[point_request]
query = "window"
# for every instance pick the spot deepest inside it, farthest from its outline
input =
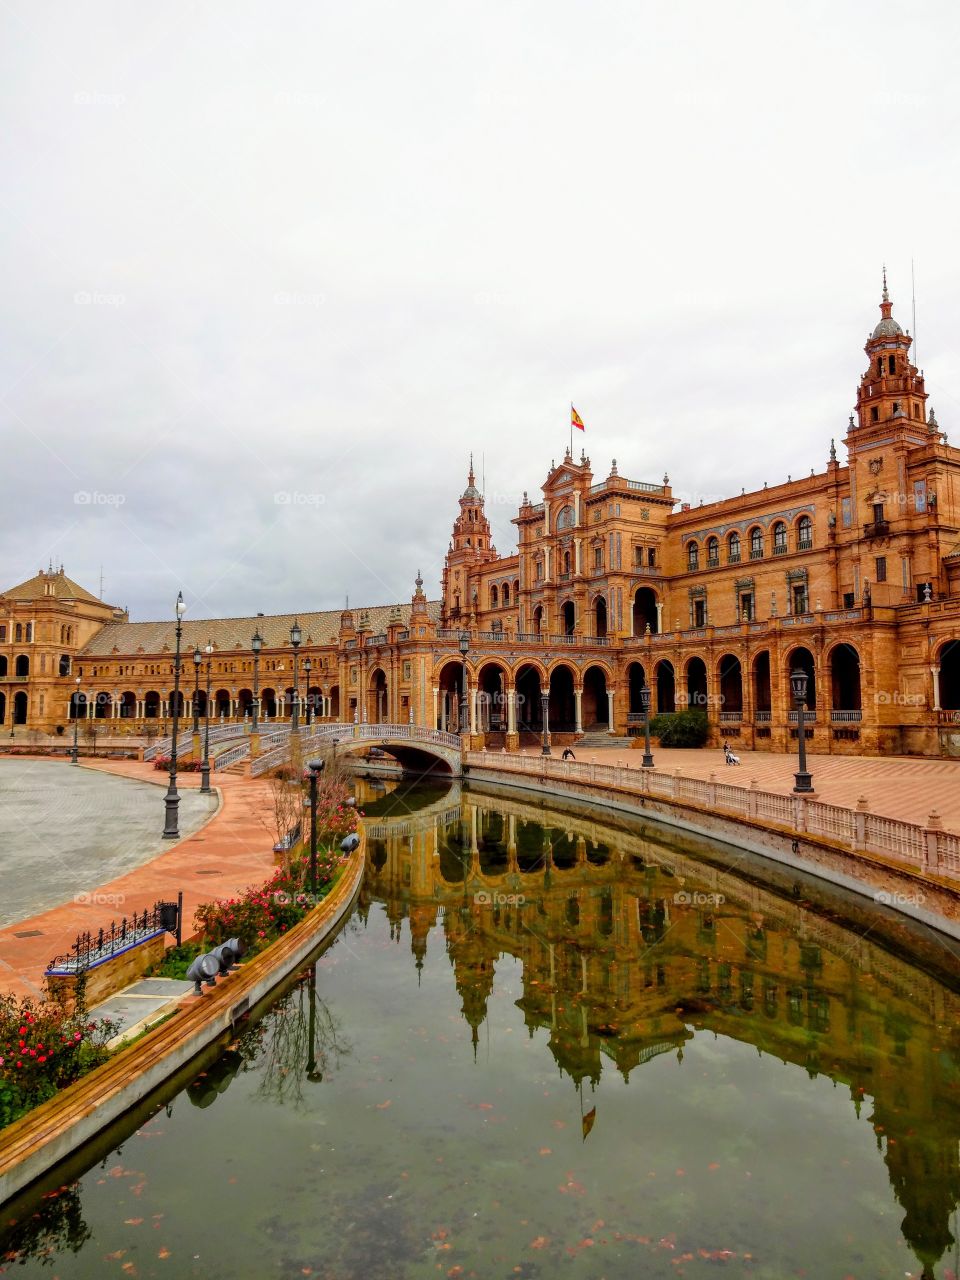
(891, 365)
(848, 600)
(746, 606)
(756, 544)
(779, 538)
(800, 597)
(505, 594)
(874, 414)
(693, 556)
(878, 513)
(3, 634)
(920, 494)
(846, 515)
(880, 564)
(19, 632)
(565, 518)
(713, 552)
(804, 533)
(494, 598)
(700, 613)
(598, 557)
(733, 548)
(539, 571)
(651, 557)
(880, 366)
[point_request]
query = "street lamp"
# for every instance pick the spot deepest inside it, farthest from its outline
(76, 721)
(545, 717)
(171, 830)
(647, 762)
(307, 665)
(256, 644)
(295, 636)
(464, 650)
(196, 689)
(316, 767)
(798, 683)
(205, 763)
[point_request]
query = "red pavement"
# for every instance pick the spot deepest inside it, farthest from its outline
(236, 844)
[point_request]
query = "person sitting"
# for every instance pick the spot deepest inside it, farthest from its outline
(729, 756)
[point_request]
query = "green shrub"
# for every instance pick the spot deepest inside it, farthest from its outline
(689, 728)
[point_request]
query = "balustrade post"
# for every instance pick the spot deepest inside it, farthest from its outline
(932, 833)
(752, 798)
(860, 823)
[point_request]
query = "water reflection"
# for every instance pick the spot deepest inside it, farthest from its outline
(629, 948)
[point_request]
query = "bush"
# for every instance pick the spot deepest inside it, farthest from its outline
(183, 766)
(689, 728)
(43, 1049)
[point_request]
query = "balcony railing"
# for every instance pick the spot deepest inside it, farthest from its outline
(531, 637)
(734, 557)
(780, 549)
(730, 717)
(876, 529)
(804, 544)
(762, 717)
(756, 553)
(566, 639)
(846, 717)
(713, 562)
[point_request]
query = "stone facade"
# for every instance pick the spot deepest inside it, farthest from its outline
(851, 573)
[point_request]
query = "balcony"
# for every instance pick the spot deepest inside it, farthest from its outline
(780, 549)
(805, 544)
(846, 717)
(713, 562)
(762, 717)
(877, 529)
(734, 557)
(756, 553)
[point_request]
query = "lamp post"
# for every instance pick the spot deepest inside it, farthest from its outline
(316, 767)
(295, 636)
(803, 783)
(196, 689)
(545, 718)
(171, 830)
(647, 762)
(307, 666)
(256, 644)
(464, 713)
(205, 763)
(76, 722)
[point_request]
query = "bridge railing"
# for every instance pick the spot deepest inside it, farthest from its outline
(162, 745)
(279, 751)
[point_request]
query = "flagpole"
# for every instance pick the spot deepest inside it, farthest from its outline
(571, 430)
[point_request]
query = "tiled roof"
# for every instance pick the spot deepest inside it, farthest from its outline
(227, 634)
(35, 588)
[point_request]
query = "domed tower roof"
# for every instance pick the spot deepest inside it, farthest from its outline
(471, 493)
(887, 327)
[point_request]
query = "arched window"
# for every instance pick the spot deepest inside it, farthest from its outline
(733, 548)
(29, 632)
(565, 518)
(693, 556)
(22, 665)
(18, 633)
(804, 533)
(713, 552)
(779, 538)
(756, 543)
(494, 598)
(505, 594)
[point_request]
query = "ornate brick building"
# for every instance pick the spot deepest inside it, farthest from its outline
(852, 573)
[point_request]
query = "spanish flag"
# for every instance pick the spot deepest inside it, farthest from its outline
(576, 420)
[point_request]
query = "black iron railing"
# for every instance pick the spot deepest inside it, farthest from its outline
(92, 949)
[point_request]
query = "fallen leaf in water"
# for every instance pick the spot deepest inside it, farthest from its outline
(539, 1243)
(163, 1252)
(382, 1106)
(545, 1151)
(115, 1257)
(132, 1222)
(129, 1268)
(713, 1166)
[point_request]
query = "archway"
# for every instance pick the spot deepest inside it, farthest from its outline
(803, 659)
(600, 616)
(845, 678)
(529, 714)
(596, 708)
(128, 705)
(450, 685)
(20, 708)
(568, 617)
(268, 703)
(21, 666)
(78, 706)
(335, 701)
(491, 698)
(761, 684)
(151, 705)
(221, 704)
(636, 679)
(3, 708)
(378, 704)
(102, 706)
(949, 677)
(563, 712)
(645, 611)
(175, 699)
(245, 702)
(666, 687)
(538, 620)
(731, 684)
(697, 684)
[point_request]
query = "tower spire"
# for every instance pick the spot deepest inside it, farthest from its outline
(886, 296)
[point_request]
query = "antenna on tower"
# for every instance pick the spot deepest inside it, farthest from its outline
(101, 582)
(483, 474)
(913, 292)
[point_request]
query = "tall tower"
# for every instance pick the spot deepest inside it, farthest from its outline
(470, 546)
(891, 393)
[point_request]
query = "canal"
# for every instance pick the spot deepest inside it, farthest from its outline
(550, 1043)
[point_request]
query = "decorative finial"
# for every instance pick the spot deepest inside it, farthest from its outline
(666, 479)
(471, 467)
(932, 421)
(886, 296)
(613, 467)
(419, 580)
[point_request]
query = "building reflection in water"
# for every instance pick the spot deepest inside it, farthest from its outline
(629, 946)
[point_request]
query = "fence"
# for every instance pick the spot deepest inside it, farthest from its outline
(92, 949)
(927, 849)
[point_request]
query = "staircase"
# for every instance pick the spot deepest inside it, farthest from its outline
(594, 738)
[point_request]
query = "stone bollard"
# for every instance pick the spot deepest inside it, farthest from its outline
(931, 859)
(860, 823)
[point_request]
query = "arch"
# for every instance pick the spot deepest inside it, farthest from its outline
(516, 590)
(151, 705)
(335, 701)
(636, 679)
(804, 533)
(245, 702)
(450, 686)
(3, 707)
(314, 702)
(734, 551)
(268, 703)
(494, 598)
(779, 538)
(845, 684)
(78, 706)
(528, 685)
(756, 543)
(693, 554)
(644, 611)
(538, 620)
(666, 682)
(730, 675)
(21, 665)
(505, 595)
(492, 680)
(568, 617)
(563, 715)
(378, 697)
(761, 683)
(63, 666)
(175, 699)
(596, 707)
(713, 551)
(221, 704)
(697, 684)
(803, 658)
(948, 660)
(3, 664)
(20, 708)
(565, 517)
(600, 616)
(102, 706)
(128, 705)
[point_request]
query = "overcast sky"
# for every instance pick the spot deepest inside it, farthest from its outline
(318, 252)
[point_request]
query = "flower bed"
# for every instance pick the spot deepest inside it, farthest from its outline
(183, 766)
(43, 1049)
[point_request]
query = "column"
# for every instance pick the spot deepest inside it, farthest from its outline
(660, 617)
(511, 711)
(578, 561)
(546, 564)
(578, 709)
(546, 517)
(610, 728)
(473, 710)
(935, 673)
(436, 708)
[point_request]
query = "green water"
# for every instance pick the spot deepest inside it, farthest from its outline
(666, 1060)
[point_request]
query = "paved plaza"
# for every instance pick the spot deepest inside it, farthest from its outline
(66, 831)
